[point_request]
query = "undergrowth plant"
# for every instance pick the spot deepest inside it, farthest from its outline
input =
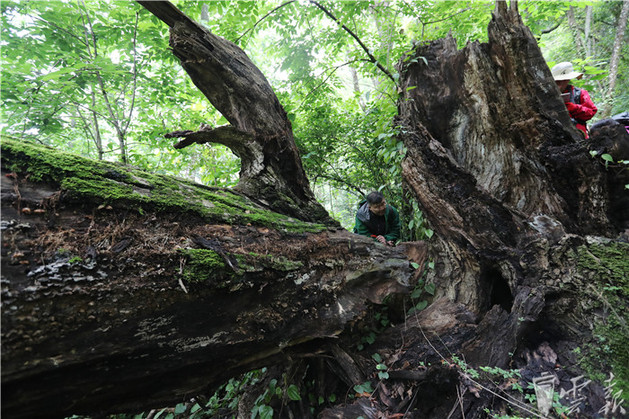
(421, 291)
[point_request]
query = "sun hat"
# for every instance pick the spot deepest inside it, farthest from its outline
(564, 71)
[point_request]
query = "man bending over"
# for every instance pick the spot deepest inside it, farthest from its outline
(375, 218)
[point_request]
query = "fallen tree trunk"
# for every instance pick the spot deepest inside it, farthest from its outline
(124, 290)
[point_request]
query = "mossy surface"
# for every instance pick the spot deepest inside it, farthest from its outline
(203, 265)
(207, 266)
(608, 266)
(100, 182)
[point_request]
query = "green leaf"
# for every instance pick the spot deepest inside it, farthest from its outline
(293, 392)
(421, 305)
(415, 265)
(57, 74)
(376, 357)
(266, 412)
(364, 387)
(180, 408)
(417, 292)
(430, 289)
(607, 157)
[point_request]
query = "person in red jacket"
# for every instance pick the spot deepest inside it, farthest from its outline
(578, 101)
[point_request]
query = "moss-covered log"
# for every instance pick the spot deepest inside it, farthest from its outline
(124, 290)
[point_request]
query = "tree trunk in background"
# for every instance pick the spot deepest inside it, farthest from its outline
(260, 132)
(581, 44)
(576, 35)
(356, 86)
(95, 132)
(586, 32)
(615, 59)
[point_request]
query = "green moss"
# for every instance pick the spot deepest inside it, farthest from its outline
(207, 266)
(203, 265)
(608, 267)
(610, 263)
(99, 182)
(281, 263)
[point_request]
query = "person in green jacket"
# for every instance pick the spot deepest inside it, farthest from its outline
(375, 218)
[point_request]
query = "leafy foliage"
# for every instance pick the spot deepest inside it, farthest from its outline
(98, 79)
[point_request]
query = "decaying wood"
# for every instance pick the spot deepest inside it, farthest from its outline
(512, 192)
(259, 131)
(494, 160)
(94, 317)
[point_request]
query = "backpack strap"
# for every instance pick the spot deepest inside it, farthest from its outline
(575, 95)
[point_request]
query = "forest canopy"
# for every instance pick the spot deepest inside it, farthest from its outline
(97, 79)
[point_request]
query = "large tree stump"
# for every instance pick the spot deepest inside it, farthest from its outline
(510, 189)
(515, 200)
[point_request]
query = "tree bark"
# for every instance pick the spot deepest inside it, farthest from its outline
(615, 59)
(119, 304)
(271, 170)
(513, 196)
